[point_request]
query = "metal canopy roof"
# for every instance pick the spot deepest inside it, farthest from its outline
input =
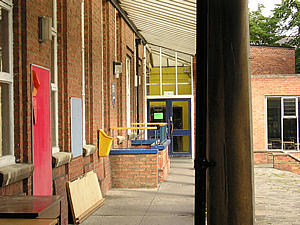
(166, 23)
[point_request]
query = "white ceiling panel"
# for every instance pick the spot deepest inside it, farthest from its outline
(166, 23)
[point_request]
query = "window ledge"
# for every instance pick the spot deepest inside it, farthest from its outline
(89, 150)
(7, 160)
(15, 172)
(61, 158)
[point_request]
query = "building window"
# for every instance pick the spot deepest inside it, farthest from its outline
(283, 123)
(170, 74)
(6, 80)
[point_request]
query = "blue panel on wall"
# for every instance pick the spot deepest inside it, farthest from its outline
(76, 126)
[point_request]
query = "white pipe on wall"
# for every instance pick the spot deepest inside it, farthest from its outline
(54, 85)
(11, 86)
(102, 75)
(83, 72)
(160, 71)
(176, 73)
(145, 88)
(192, 110)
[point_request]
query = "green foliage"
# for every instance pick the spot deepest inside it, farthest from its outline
(281, 29)
(288, 14)
(263, 30)
(298, 60)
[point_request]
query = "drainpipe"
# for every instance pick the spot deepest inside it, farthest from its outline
(137, 43)
(83, 72)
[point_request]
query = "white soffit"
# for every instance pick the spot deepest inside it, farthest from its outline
(166, 23)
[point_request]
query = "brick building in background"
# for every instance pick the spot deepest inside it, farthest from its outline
(75, 56)
(275, 107)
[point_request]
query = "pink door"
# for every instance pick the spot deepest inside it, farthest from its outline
(42, 174)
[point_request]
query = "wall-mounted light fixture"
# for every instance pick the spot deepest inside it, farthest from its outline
(45, 28)
(117, 69)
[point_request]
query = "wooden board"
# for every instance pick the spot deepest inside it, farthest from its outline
(28, 221)
(85, 196)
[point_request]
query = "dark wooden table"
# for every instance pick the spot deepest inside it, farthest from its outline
(30, 207)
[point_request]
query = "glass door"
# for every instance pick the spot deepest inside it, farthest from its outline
(177, 113)
(181, 134)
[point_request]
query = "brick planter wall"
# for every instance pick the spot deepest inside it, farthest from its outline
(287, 162)
(134, 170)
(263, 157)
(163, 164)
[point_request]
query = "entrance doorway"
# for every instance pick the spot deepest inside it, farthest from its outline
(177, 113)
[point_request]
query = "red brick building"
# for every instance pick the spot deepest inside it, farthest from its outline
(275, 105)
(75, 44)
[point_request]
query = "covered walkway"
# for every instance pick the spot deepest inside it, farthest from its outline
(171, 203)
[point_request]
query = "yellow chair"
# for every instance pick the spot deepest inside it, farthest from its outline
(104, 143)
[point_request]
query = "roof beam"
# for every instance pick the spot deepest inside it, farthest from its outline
(115, 3)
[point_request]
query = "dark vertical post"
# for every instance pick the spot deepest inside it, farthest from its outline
(137, 43)
(230, 182)
(201, 111)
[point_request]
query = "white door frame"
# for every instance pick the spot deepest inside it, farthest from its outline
(128, 76)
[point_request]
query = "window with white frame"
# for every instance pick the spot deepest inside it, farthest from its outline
(283, 123)
(171, 73)
(6, 79)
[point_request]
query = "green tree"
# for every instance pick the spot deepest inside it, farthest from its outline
(264, 30)
(288, 14)
(282, 28)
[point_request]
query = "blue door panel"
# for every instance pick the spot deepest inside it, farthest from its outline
(167, 118)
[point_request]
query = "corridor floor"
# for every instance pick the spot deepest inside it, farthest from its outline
(171, 203)
(277, 196)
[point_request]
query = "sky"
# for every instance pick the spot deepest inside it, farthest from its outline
(269, 5)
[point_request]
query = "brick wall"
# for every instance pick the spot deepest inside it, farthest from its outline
(287, 162)
(272, 70)
(134, 171)
(268, 85)
(93, 69)
(99, 23)
(119, 44)
(163, 164)
(272, 60)
(263, 157)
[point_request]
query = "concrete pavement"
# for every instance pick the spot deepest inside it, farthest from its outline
(277, 196)
(171, 203)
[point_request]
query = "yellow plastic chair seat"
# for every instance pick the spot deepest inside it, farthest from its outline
(104, 143)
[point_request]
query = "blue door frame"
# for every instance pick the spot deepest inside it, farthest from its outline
(167, 118)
